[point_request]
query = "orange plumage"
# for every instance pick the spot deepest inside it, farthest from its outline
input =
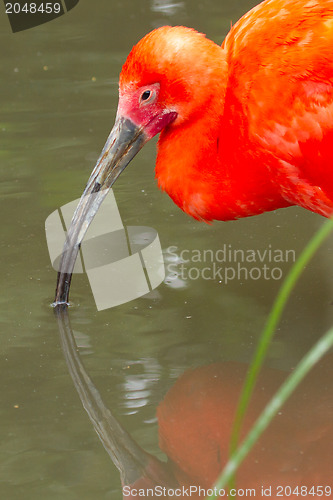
(254, 117)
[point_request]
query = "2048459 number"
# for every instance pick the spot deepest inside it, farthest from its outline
(303, 491)
(33, 8)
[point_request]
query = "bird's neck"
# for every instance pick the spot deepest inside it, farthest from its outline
(205, 167)
(185, 166)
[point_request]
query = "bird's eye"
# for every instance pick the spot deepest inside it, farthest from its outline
(146, 95)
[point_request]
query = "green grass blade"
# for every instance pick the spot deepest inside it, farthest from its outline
(272, 321)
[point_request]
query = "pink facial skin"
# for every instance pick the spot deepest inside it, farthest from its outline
(143, 108)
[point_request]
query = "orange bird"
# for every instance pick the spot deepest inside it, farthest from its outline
(244, 128)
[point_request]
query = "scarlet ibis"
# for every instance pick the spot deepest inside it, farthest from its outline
(244, 128)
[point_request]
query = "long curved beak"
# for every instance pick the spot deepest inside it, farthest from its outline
(123, 143)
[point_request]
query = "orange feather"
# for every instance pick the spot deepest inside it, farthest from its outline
(254, 130)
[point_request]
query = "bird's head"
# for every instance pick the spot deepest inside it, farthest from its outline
(169, 77)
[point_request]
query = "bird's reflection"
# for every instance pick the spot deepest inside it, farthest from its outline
(195, 420)
(137, 468)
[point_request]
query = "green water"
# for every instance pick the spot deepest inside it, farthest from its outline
(58, 102)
